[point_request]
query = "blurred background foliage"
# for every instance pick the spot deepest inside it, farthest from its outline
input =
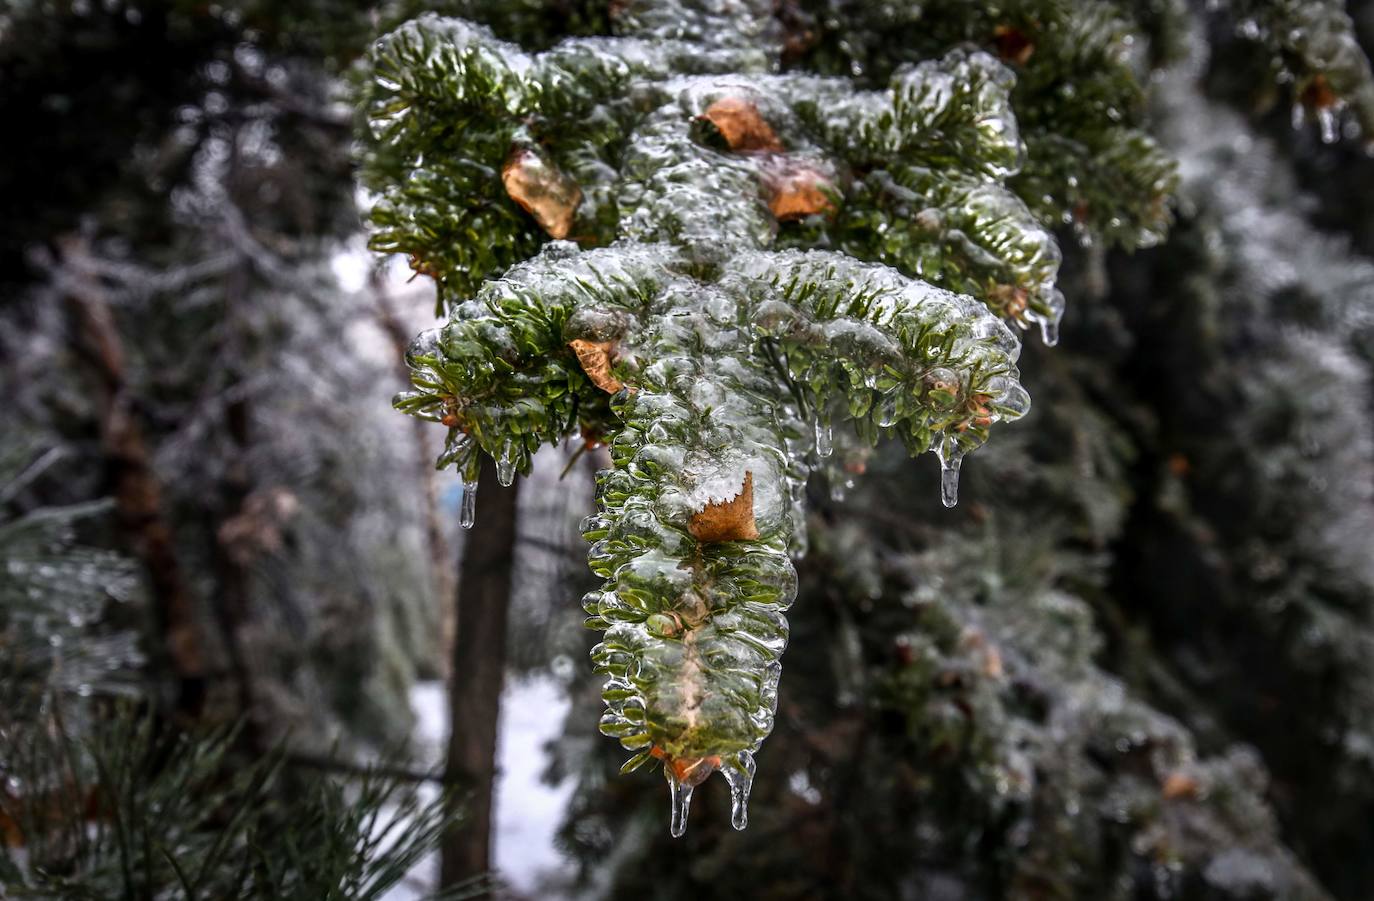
(1136, 661)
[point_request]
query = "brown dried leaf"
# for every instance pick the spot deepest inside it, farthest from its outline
(257, 527)
(595, 359)
(542, 191)
(688, 771)
(739, 122)
(992, 663)
(797, 188)
(1179, 785)
(1012, 44)
(1318, 94)
(731, 520)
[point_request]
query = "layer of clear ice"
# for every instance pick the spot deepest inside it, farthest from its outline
(739, 358)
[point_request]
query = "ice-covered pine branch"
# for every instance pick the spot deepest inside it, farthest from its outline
(714, 300)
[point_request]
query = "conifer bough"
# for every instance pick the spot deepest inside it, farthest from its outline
(668, 165)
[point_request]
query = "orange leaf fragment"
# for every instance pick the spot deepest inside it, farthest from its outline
(420, 267)
(739, 122)
(731, 520)
(542, 191)
(595, 359)
(797, 188)
(1179, 785)
(1318, 93)
(688, 771)
(1012, 44)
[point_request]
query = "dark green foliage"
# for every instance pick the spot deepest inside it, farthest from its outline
(128, 811)
(1078, 94)
(1265, 366)
(116, 99)
(100, 798)
(1312, 44)
(244, 361)
(59, 624)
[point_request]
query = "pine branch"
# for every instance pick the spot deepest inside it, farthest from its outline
(676, 321)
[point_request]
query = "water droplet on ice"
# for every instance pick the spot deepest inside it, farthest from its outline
(468, 511)
(1049, 332)
(740, 777)
(682, 801)
(825, 442)
(886, 416)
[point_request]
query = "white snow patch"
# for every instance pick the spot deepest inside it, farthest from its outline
(351, 265)
(527, 811)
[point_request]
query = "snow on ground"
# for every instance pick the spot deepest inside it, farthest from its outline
(527, 811)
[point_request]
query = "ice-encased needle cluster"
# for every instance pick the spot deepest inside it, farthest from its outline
(711, 364)
(1314, 46)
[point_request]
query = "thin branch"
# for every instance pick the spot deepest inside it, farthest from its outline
(352, 768)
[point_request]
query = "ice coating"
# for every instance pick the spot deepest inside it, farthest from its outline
(695, 630)
(921, 165)
(734, 361)
(1313, 45)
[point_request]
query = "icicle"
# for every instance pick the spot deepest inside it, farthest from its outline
(740, 777)
(1326, 120)
(949, 481)
(1049, 332)
(505, 465)
(825, 443)
(468, 512)
(682, 801)
(950, 457)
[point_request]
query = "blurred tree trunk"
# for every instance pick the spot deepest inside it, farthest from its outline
(231, 598)
(479, 663)
(134, 485)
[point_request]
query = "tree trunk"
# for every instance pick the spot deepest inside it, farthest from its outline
(134, 484)
(479, 659)
(231, 599)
